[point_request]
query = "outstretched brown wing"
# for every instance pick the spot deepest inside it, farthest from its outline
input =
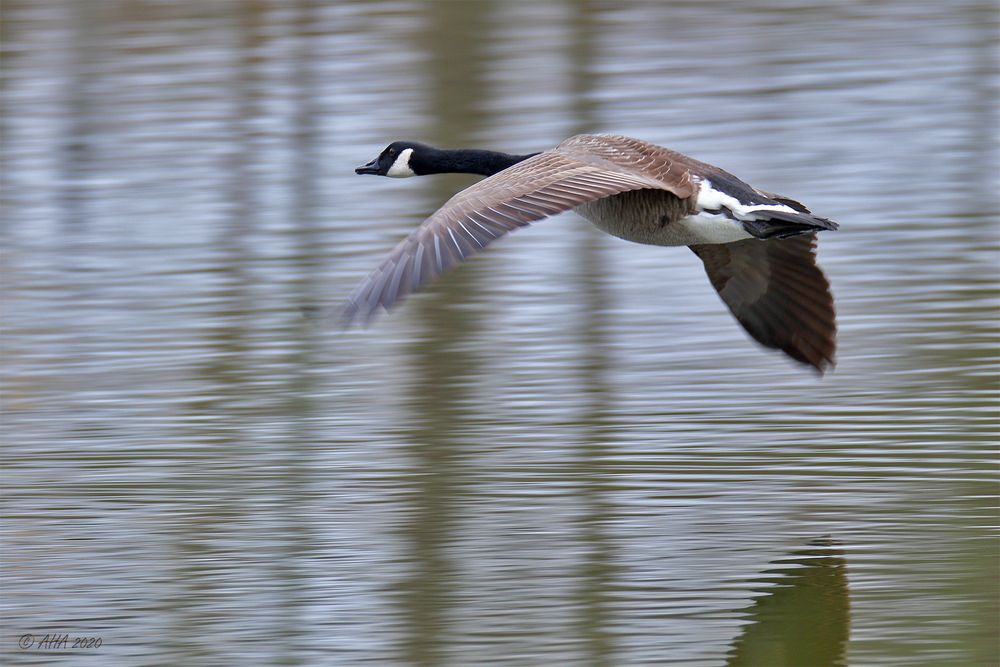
(536, 188)
(778, 294)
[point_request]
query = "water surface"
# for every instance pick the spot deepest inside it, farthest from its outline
(567, 452)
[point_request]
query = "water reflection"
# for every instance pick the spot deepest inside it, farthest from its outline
(597, 567)
(566, 452)
(440, 361)
(803, 619)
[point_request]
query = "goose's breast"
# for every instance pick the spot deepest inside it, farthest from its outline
(659, 218)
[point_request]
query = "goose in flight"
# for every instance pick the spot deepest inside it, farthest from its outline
(758, 248)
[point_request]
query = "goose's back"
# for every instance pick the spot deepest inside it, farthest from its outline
(665, 217)
(671, 168)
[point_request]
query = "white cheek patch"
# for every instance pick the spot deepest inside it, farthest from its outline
(710, 199)
(401, 167)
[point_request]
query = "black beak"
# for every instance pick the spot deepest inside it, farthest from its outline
(370, 168)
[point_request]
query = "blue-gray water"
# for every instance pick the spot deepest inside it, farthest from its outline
(566, 452)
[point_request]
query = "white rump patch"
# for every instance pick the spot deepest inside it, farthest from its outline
(710, 199)
(711, 228)
(401, 167)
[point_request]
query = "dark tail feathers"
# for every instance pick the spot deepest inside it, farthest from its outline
(782, 224)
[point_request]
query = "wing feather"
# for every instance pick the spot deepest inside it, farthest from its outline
(539, 187)
(778, 294)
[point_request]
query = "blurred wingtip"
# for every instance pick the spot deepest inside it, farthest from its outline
(822, 362)
(337, 318)
(825, 366)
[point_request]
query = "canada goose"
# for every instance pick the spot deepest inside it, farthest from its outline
(757, 247)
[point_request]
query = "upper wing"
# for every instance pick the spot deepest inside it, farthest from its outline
(777, 293)
(541, 186)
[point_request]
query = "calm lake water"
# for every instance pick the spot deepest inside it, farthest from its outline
(566, 452)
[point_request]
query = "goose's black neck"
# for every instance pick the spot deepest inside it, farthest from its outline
(463, 161)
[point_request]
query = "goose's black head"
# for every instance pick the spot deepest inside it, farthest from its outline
(399, 160)
(408, 158)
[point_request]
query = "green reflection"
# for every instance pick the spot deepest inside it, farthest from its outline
(597, 567)
(804, 620)
(452, 35)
